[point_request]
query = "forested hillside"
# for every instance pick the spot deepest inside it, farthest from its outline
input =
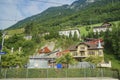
(59, 18)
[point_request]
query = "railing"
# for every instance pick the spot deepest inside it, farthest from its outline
(58, 73)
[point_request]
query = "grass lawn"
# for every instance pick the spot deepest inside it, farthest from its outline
(15, 31)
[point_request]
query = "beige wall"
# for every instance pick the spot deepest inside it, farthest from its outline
(82, 51)
(97, 52)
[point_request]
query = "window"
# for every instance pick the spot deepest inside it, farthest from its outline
(82, 53)
(75, 54)
(91, 53)
(99, 52)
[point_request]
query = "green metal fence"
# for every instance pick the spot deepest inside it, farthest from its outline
(57, 73)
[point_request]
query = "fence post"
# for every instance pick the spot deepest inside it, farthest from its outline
(5, 73)
(84, 72)
(26, 72)
(47, 73)
(101, 72)
(66, 73)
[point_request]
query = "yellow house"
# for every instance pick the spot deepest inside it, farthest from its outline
(87, 49)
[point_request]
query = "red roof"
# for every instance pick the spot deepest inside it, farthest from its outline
(95, 41)
(93, 44)
(44, 50)
(62, 53)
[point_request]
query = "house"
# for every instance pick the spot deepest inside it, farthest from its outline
(105, 26)
(87, 49)
(105, 64)
(45, 50)
(45, 58)
(91, 47)
(71, 31)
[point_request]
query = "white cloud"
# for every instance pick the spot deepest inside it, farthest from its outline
(12, 10)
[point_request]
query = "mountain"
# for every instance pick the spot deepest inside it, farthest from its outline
(80, 12)
(52, 12)
(79, 4)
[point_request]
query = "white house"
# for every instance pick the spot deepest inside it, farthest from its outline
(43, 59)
(107, 65)
(72, 31)
(103, 28)
(100, 28)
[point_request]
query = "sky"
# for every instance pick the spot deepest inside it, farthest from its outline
(12, 11)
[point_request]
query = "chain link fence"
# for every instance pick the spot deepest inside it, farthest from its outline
(58, 73)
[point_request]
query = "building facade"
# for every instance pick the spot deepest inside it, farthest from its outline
(87, 49)
(102, 28)
(72, 32)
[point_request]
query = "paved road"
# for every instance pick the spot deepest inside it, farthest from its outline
(61, 79)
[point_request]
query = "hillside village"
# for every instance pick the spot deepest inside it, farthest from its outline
(46, 58)
(87, 53)
(46, 55)
(78, 39)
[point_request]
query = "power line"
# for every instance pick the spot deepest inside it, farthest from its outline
(47, 2)
(31, 0)
(25, 5)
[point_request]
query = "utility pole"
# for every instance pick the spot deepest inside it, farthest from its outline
(3, 35)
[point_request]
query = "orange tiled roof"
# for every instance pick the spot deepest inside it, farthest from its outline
(93, 44)
(44, 50)
(94, 41)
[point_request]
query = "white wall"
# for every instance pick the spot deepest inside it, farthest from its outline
(67, 32)
(37, 63)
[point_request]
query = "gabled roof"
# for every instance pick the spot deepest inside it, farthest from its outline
(92, 44)
(44, 50)
(104, 25)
